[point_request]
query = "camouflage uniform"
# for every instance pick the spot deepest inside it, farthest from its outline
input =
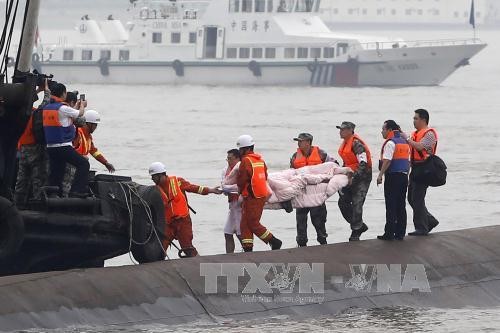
(352, 197)
(69, 175)
(33, 170)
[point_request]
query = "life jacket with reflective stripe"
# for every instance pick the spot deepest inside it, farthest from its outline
(313, 159)
(55, 132)
(174, 200)
(417, 136)
(84, 142)
(401, 159)
(348, 156)
(258, 182)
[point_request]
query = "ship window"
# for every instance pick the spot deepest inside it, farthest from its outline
(270, 52)
(234, 6)
(316, 52)
(269, 6)
(124, 55)
(86, 54)
(175, 37)
(246, 6)
(304, 6)
(329, 52)
(257, 52)
(260, 6)
(68, 55)
(289, 52)
(393, 11)
(231, 52)
(342, 48)
(156, 37)
(285, 6)
(192, 37)
(244, 52)
(302, 52)
(318, 6)
(106, 54)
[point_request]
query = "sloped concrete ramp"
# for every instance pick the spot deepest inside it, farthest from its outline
(449, 269)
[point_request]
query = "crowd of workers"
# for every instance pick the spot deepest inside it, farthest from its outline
(53, 151)
(400, 156)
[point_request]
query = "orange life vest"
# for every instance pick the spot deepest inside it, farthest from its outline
(417, 136)
(259, 179)
(84, 141)
(348, 156)
(174, 200)
(313, 159)
(28, 137)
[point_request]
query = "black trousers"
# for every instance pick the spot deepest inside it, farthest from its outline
(58, 157)
(395, 187)
(422, 219)
(318, 219)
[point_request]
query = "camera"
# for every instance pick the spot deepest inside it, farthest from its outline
(40, 79)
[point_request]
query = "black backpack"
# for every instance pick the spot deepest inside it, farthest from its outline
(38, 131)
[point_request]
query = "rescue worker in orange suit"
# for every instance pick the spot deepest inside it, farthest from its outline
(394, 164)
(423, 143)
(252, 185)
(84, 145)
(178, 221)
(355, 155)
(307, 154)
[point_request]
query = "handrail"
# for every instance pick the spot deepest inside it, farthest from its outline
(413, 43)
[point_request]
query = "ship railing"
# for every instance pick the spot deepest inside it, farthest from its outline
(412, 43)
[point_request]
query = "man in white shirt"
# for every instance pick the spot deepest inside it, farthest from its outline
(59, 131)
(234, 216)
(394, 164)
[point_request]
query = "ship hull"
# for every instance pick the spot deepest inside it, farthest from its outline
(416, 66)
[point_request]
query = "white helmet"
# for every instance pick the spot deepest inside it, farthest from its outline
(245, 141)
(92, 116)
(156, 168)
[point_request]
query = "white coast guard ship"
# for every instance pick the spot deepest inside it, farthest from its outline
(243, 42)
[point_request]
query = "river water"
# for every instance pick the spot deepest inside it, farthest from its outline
(190, 128)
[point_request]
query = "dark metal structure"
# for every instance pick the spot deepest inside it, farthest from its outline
(63, 233)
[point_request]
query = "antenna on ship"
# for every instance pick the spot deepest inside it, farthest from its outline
(472, 18)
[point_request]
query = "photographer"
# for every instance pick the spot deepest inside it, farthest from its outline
(60, 132)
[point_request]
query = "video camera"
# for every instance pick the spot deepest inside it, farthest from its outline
(40, 79)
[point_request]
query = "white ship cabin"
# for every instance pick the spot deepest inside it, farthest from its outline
(207, 31)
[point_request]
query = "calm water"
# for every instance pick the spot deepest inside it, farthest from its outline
(190, 128)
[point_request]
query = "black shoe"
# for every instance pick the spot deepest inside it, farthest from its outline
(287, 206)
(356, 233)
(418, 233)
(301, 245)
(322, 242)
(399, 238)
(385, 237)
(275, 243)
(433, 226)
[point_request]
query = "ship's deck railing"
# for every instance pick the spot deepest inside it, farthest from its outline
(413, 43)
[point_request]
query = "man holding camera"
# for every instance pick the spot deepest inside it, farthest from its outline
(60, 132)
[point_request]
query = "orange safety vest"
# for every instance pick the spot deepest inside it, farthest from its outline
(174, 200)
(313, 159)
(417, 136)
(348, 156)
(28, 137)
(84, 142)
(259, 179)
